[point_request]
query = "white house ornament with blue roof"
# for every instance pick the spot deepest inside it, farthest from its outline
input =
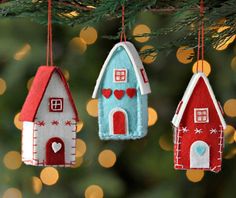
(121, 89)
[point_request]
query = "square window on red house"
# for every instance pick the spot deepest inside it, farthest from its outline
(201, 115)
(120, 75)
(55, 104)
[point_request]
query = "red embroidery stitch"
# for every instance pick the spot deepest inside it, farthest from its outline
(68, 123)
(41, 123)
(55, 122)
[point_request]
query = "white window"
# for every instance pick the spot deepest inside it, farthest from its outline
(55, 104)
(120, 75)
(201, 115)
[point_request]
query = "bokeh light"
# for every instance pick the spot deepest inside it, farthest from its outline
(12, 160)
(165, 143)
(152, 116)
(80, 148)
(78, 44)
(80, 125)
(29, 83)
(150, 58)
(49, 176)
(78, 162)
(185, 54)
(36, 185)
(229, 134)
(3, 86)
(66, 74)
(195, 175)
(107, 158)
(12, 193)
(140, 30)
(89, 35)
(230, 107)
(92, 107)
(23, 52)
(94, 191)
(206, 67)
(233, 63)
(18, 124)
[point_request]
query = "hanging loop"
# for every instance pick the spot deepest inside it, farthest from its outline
(122, 34)
(49, 56)
(201, 38)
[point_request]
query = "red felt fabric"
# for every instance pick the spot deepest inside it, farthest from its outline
(131, 92)
(119, 125)
(106, 93)
(119, 94)
(200, 98)
(37, 91)
(53, 158)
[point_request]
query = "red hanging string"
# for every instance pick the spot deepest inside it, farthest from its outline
(49, 36)
(201, 37)
(122, 34)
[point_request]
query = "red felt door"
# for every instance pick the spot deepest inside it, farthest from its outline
(119, 123)
(55, 152)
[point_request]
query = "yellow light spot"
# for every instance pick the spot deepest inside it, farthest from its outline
(185, 54)
(37, 185)
(17, 122)
(80, 148)
(141, 29)
(223, 28)
(149, 58)
(3, 86)
(12, 193)
(23, 52)
(89, 35)
(229, 134)
(230, 107)
(71, 14)
(230, 154)
(206, 67)
(92, 107)
(80, 125)
(78, 44)
(49, 176)
(195, 175)
(12, 160)
(66, 74)
(165, 144)
(233, 63)
(235, 136)
(107, 158)
(29, 83)
(152, 116)
(78, 162)
(94, 191)
(222, 45)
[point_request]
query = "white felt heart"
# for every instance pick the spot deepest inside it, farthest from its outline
(56, 147)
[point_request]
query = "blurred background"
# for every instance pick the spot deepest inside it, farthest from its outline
(112, 169)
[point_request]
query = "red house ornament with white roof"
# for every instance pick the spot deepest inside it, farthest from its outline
(49, 120)
(198, 128)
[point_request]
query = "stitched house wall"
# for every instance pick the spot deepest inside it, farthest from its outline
(136, 107)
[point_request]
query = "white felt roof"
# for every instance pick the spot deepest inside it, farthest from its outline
(137, 65)
(177, 117)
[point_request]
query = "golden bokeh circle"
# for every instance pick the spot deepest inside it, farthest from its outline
(185, 54)
(230, 107)
(149, 58)
(92, 107)
(66, 74)
(141, 29)
(89, 35)
(229, 134)
(79, 126)
(12, 160)
(233, 63)
(94, 191)
(12, 193)
(78, 44)
(206, 67)
(195, 175)
(222, 45)
(152, 116)
(107, 158)
(3, 86)
(30, 82)
(18, 124)
(78, 162)
(165, 144)
(36, 185)
(49, 176)
(80, 148)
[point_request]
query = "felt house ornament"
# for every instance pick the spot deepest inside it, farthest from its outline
(49, 120)
(121, 89)
(198, 128)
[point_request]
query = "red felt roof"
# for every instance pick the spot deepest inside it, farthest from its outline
(37, 90)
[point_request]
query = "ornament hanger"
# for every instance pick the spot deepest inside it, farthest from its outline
(122, 34)
(49, 56)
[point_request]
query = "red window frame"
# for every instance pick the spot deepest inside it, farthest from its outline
(144, 75)
(120, 75)
(56, 104)
(201, 115)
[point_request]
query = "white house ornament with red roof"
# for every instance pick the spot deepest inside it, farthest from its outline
(198, 128)
(49, 120)
(122, 88)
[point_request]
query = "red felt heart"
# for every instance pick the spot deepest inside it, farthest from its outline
(119, 94)
(131, 92)
(106, 93)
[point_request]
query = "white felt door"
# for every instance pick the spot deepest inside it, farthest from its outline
(199, 155)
